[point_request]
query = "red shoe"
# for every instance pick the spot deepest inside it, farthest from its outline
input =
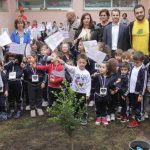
(104, 121)
(133, 124)
(98, 121)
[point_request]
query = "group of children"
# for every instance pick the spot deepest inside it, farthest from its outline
(119, 87)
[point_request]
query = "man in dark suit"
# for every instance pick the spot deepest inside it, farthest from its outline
(115, 33)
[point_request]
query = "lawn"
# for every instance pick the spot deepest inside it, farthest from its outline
(38, 134)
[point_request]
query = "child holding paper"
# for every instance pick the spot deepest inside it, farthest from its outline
(56, 75)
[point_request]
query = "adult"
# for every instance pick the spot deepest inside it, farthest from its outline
(104, 19)
(124, 19)
(71, 24)
(115, 33)
(149, 14)
(87, 30)
(20, 35)
(139, 31)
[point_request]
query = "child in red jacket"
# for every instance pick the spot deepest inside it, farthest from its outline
(56, 76)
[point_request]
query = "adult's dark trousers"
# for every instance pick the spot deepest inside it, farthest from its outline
(14, 94)
(35, 96)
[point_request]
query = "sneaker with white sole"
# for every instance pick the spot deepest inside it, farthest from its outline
(146, 115)
(44, 103)
(104, 121)
(91, 103)
(112, 117)
(32, 113)
(108, 118)
(40, 112)
(28, 107)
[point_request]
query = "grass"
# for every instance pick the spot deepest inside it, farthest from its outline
(37, 134)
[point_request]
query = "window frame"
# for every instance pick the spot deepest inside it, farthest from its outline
(109, 8)
(48, 8)
(4, 4)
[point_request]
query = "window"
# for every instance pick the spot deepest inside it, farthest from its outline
(42, 4)
(58, 3)
(27, 4)
(110, 3)
(3, 5)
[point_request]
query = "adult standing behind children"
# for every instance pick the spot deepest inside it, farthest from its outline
(104, 19)
(87, 30)
(71, 24)
(115, 34)
(139, 31)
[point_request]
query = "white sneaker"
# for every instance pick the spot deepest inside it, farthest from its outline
(28, 107)
(146, 115)
(44, 103)
(32, 113)
(40, 112)
(108, 118)
(91, 103)
(112, 117)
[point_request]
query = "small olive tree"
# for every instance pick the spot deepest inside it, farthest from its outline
(65, 112)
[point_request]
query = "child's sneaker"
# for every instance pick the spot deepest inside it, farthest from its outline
(44, 103)
(119, 117)
(91, 103)
(146, 115)
(133, 124)
(28, 107)
(108, 118)
(98, 121)
(112, 117)
(104, 121)
(40, 112)
(124, 119)
(32, 113)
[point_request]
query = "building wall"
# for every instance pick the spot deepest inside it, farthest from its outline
(7, 17)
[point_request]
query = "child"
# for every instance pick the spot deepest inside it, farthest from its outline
(147, 95)
(113, 103)
(56, 75)
(81, 82)
(65, 49)
(14, 75)
(118, 55)
(43, 60)
(3, 93)
(137, 86)
(102, 93)
(36, 82)
(122, 87)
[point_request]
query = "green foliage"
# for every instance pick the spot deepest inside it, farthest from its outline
(64, 112)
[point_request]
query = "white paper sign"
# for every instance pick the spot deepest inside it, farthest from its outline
(4, 39)
(54, 40)
(41, 27)
(28, 50)
(35, 33)
(91, 48)
(17, 48)
(65, 34)
(4, 30)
